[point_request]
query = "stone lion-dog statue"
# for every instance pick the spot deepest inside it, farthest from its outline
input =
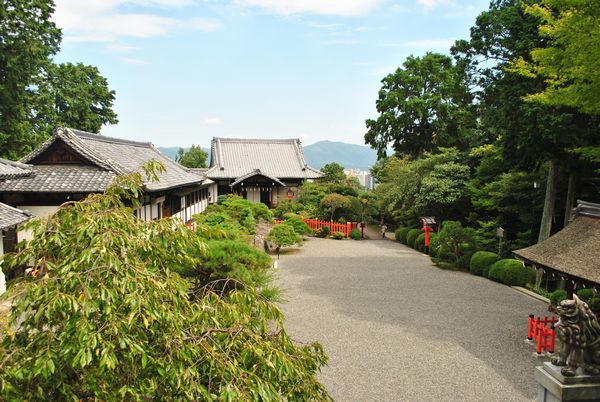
(578, 332)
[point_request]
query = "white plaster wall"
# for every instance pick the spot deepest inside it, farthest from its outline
(2, 278)
(40, 211)
(253, 194)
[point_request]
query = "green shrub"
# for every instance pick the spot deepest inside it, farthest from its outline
(401, 234)
(456, 239)
(397, 233)
(260, 210)
(585, 294)
(420, 242)
(337, 236)
(510, 272)
(287, 206)
(412, 236)
(299, 226)
(323, 232)
(434, 244)
(557, 296)
(284, 235)
(481, 261)
(234, 259)
(464, 262)
(290, 215)
(355, 234)
(594, 304)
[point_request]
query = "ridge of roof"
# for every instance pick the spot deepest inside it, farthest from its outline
(256, 172)
(111, 140)
(257, 140)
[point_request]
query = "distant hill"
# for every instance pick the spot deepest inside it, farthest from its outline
(348, 155)
(320, 153)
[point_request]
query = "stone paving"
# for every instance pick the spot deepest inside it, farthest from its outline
(396, 328)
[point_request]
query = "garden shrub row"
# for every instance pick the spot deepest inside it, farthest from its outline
(481, 261)
(510, 272)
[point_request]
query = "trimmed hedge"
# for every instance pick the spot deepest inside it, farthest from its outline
(355, 234)
(412, 236)
(402, 233)
(464, 261)
(420, 242)
(482, 261)
(398, 232)
(510, 272)
(557, 296)
(585, 294)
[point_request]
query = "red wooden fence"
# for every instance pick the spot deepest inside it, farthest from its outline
(316, 224)
(541, 331)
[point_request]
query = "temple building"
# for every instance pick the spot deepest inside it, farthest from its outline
(72, 164)
(259, 170)
(572, 254)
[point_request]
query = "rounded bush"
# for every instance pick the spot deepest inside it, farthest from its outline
(323, 232)
(482, 261)
(300, 227)
(594, 304)
(397, 233)
(412, 236)
(585, 294)
(420, 242)
(557, 296)
(355, 234)
(401, 234)
(338, 236)
(510, 272)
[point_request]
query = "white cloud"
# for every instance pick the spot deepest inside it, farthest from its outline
(134, 61)
(429, 4)
(104, 20)
(212, 121)
(325, 7)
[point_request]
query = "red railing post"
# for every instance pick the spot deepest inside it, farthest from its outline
(530, 326)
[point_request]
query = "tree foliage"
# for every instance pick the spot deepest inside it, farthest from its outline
(107, 317)
(423, 105)
(37, 95)
(195, 157)
(334, 172)
(569, 63)
(284, 235)
(334, 202)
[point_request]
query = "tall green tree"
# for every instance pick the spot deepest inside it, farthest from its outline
(334, 172)
(195, 157)
(28, 40)
(530, 134)
(37, 95)
(423, 105)
(74, 95)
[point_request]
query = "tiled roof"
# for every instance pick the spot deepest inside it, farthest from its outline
(10, 216)
(60, 179)
(575, 250)
(232, 158)
(9, 169)
(121, 157)
(256, 172)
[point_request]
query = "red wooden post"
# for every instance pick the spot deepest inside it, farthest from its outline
(530, 326)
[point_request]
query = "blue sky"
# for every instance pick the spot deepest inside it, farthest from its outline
(187, 70)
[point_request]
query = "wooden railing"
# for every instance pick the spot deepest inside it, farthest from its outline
(316, 224)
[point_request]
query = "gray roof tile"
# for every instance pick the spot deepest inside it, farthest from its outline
(232, 158)
(10, 216)
(10, 169)
(60, 179)
(121, 157)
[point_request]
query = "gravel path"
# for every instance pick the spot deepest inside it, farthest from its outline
(396, 328)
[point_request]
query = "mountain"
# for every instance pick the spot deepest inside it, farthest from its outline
(321, 153)
(348, 155)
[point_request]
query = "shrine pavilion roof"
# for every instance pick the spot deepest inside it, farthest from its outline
(575, 250)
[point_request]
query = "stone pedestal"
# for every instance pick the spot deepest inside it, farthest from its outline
(554, 387)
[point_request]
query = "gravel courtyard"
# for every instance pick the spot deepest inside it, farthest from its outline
(396, 328)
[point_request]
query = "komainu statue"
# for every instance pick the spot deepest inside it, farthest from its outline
(578, 332)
